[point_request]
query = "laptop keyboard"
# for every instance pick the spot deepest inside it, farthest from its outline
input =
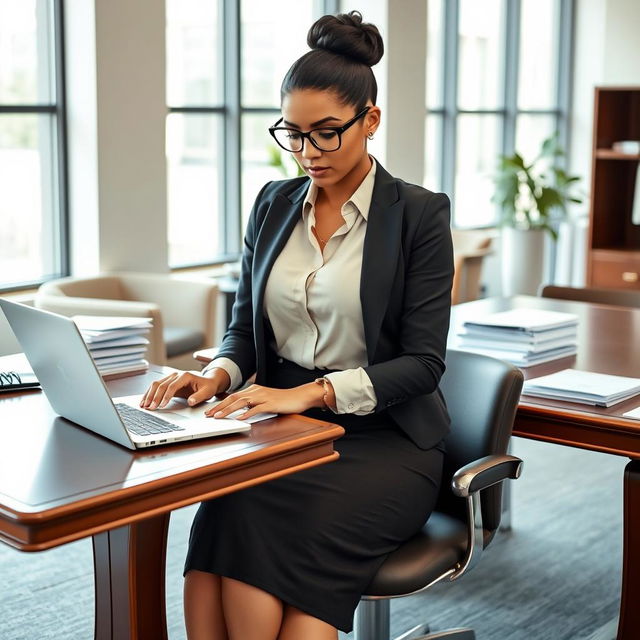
(142, 423)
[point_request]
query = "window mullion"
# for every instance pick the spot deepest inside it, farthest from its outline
(510, 78)
(325, 7)
(450, 97)
(565, 63)
(61, 140)
(230, 220)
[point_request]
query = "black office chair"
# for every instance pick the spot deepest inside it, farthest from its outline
(618, 297)
(482, 396)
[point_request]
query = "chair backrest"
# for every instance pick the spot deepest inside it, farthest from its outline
(482, 396)
(104, 287)
(619, 297)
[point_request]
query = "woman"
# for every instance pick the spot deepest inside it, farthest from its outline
(342, 312)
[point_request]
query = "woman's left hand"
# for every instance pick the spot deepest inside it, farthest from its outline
(258, 399)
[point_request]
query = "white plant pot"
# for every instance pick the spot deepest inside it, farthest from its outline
(524, 255)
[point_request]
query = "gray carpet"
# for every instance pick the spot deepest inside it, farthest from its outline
(555, 577)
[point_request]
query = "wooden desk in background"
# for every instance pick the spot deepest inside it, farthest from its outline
(608, 342)
(59, 483)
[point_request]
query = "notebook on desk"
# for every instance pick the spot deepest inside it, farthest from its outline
(16, 373)
(69, 378)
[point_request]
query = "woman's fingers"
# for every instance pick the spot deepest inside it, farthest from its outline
(244, 399)
(202, 393)
(173, 387)
(223, 411)
(161, 392)
(153, 389)
(232, 398)
(254, 410)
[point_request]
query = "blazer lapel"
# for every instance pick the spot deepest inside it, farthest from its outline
(279, 221)
(381, 252)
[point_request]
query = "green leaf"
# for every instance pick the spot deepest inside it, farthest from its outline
(532, 195)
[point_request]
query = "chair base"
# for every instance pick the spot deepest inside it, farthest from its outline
(372, 622)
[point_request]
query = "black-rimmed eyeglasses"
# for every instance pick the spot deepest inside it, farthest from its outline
(323, 139)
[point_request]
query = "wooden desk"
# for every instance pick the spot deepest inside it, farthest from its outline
(59, 483)
(608, 342)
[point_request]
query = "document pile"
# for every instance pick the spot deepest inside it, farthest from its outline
(118, 345)
(524, 337)
(585, 387)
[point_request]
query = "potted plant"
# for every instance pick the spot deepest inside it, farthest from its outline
(284, 162)
(534, 200)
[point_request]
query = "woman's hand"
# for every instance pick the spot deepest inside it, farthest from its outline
(258, 399)
(185, 384)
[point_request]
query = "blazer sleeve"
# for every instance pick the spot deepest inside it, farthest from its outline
(426, 307)
(238, 343)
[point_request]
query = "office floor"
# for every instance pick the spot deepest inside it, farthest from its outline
(555, 577)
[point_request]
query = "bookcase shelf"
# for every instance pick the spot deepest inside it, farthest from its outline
(614, 240)
(610, 154)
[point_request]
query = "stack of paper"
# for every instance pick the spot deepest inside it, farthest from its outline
(117, 345)
(524, 337)
(585, 387)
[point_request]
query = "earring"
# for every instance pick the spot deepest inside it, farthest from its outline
(370, 135)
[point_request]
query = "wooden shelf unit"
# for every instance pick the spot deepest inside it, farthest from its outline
(614, 241)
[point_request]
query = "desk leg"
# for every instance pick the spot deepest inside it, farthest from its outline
(129, 564)
(629, 621)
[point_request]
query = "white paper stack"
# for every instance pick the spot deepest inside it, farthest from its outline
(524, 337)
(585, 387)
(117, 345)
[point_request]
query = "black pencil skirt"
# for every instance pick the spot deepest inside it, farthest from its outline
(316, 538)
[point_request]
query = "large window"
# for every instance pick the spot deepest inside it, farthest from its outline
(32, 176)
(270, 45)
(195, 128)
(225, 62)
(497, 80)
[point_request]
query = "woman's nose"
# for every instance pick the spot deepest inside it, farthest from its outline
(308, 150)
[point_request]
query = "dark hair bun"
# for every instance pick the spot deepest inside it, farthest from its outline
(346, 35)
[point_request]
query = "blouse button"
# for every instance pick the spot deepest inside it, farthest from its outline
(280, 360)
(351, 405)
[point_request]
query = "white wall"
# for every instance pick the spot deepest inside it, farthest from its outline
(607, 53)
(116, 125)
(406, 55)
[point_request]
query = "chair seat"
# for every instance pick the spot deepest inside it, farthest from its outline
(179, 340)
(435, 549)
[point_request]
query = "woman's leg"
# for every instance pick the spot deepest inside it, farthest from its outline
(203, 614)
(250, 613)
(296, 624)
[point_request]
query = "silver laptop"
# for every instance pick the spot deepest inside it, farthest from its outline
(63, 365)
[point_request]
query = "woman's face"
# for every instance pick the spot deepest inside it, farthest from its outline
(310, 109)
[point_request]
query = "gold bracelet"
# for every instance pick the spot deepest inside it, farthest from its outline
(325, 386)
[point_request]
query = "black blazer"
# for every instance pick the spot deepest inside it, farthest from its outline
(405, 292)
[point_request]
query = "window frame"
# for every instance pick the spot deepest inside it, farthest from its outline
(57, 110)
(232, 111)
(449, 112)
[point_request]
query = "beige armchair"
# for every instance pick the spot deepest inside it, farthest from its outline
(469, 249)
(183, 309)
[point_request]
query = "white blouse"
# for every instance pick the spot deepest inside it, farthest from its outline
(312, 301)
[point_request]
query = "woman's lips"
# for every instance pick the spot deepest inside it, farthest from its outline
(316, 172)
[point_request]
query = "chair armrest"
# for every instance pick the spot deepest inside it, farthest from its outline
(484, 473)
(467, 483)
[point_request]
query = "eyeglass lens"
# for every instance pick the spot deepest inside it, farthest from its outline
(323, 139)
